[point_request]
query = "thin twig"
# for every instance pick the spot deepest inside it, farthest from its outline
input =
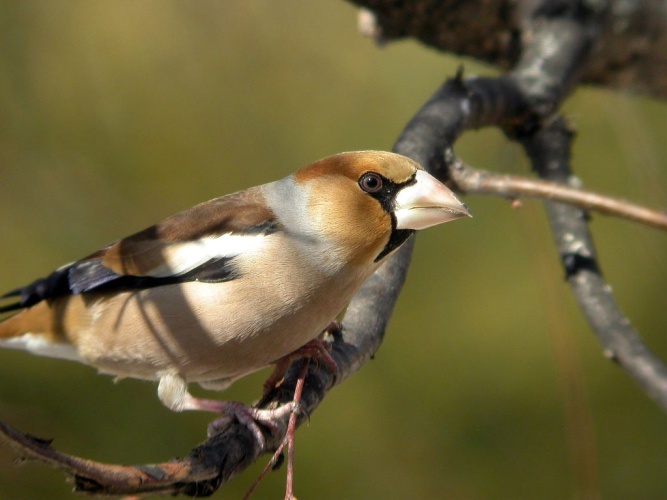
(288, 440)
(291, 429)
(474, 181)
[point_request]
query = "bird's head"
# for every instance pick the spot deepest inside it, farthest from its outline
(370, 202)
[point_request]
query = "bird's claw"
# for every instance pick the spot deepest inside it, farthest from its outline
(251, 417)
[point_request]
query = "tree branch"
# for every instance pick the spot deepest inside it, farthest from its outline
(547, 143)
(548, 149)
(474, 181)
(631, 34)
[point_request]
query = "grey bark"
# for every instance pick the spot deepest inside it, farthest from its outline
(631, 40)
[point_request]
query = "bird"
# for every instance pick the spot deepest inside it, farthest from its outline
(232, 285)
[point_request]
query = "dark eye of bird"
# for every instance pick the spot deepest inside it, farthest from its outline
(370, 182)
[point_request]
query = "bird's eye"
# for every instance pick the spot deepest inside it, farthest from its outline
(370, 182)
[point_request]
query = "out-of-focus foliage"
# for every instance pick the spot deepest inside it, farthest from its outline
(115, 114)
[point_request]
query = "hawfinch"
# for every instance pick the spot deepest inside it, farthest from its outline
(234, 284)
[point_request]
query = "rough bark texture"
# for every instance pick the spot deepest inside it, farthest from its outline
(629, 53)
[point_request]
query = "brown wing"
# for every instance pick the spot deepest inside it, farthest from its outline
(197, 244)
(243, 213)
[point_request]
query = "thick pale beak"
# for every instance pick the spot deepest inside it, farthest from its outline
(426, 203)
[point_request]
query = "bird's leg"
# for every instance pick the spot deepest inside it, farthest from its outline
(316, 349)
(174, 394)
(246, 415)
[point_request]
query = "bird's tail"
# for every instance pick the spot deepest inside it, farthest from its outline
(37, 320)
(12, 333)
(11, 301)
(33, 330)
(24, 311)
(10, 326)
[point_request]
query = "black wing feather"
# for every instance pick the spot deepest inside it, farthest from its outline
(53, 285)
(90, 275)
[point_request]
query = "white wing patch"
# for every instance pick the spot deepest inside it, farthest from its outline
(37, 344)
(181, 258)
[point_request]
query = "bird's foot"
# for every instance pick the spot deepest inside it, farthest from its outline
(250, 417)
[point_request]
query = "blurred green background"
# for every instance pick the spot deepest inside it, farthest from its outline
(489, 383)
